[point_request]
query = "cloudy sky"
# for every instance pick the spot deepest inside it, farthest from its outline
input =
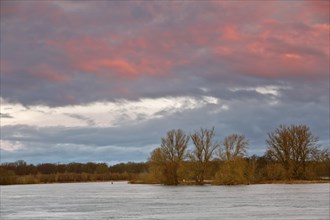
(105, 80)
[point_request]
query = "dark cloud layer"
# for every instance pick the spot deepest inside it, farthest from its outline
(134, 142)
(266, 63)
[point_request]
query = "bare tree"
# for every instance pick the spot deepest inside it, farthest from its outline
(292, 146)
(169, 157)
(234, 147)
(201, 155)
(234, 170)
(157, 165)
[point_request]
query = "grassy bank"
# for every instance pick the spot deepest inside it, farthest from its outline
(63, 178)
(293, 181)
(215, 183)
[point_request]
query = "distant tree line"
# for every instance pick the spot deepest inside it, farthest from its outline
(20, 172)
(293, 153)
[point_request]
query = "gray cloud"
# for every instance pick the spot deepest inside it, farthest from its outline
(5, 115)
(89, 122)
(134, 142)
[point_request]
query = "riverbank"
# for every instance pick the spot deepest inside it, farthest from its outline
(183, 183)
(293, 181)
(259, 182)
(64, 178)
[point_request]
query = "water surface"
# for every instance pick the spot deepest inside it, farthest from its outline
(126, 201)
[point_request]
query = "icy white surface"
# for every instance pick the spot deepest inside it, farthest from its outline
(101, 201)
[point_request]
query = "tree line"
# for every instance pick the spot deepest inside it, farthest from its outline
(293, 153)
(20, 172)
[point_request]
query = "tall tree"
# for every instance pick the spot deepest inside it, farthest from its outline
(169, 157)
(292, 146)
(234, 147)
(234, 170)
(158, 166)
(204, 147)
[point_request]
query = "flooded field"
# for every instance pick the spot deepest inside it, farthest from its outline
(120, 200)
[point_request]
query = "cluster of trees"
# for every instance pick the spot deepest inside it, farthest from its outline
(292, 153)
(20, 172)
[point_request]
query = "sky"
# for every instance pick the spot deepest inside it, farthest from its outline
(103, 81)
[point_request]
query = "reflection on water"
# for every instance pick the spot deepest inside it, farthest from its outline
(125, 201)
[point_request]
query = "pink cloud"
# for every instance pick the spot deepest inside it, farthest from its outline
(231, 33)
(103, 65)
(43, 71)
(126, 59)
(268, 39)
(277, 48)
